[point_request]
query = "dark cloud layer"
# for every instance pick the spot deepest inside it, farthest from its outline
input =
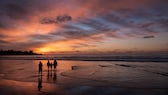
(148, 36)
(4, 42)
(116, 25)
(58, 19)
(12, 11)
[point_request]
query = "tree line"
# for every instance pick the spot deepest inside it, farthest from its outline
(16, 52)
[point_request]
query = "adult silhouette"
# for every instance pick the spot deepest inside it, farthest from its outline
(40, 67)
(55, 64)
(48, 64)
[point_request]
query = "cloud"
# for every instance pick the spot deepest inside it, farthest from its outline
(110, 25)
(82, 45)
(58, 19)
(149, 37)
(4, 42)
(14, 12)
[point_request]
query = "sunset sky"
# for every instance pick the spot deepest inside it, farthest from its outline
(84, 26)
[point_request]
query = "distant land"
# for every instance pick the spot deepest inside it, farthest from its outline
(15, 52)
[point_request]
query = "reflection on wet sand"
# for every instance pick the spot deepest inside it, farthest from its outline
(78, 77)
(40, 83)
(55, 76)
(50, 76)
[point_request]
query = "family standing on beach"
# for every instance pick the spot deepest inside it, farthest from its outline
(49, 65)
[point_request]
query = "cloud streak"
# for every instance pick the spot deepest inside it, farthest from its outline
(149, 37)
(58, 19)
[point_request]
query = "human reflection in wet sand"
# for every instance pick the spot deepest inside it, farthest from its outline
(40, 83)
(55, 68)
(55, 76)
(50, 74)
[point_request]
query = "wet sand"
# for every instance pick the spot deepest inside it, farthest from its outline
(10, 87)
(83, 78)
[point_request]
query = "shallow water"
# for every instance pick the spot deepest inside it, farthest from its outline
(77, 77)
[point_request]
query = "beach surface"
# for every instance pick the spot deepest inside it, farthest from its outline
(83, 78)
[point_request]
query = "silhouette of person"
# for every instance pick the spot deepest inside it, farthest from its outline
(40, 67)
(55, 76)
(40, 83)
(48, 64)
(55, 64)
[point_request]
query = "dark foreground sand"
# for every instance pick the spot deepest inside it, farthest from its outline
(83, 78)
(10, 87)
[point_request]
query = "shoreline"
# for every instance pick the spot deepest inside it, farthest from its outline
(88, 59)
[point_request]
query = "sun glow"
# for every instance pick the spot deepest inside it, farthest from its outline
(54, 47)
(44, 50)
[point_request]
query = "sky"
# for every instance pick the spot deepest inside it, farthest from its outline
(84, 26)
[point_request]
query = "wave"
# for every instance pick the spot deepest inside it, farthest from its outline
(88, 58)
